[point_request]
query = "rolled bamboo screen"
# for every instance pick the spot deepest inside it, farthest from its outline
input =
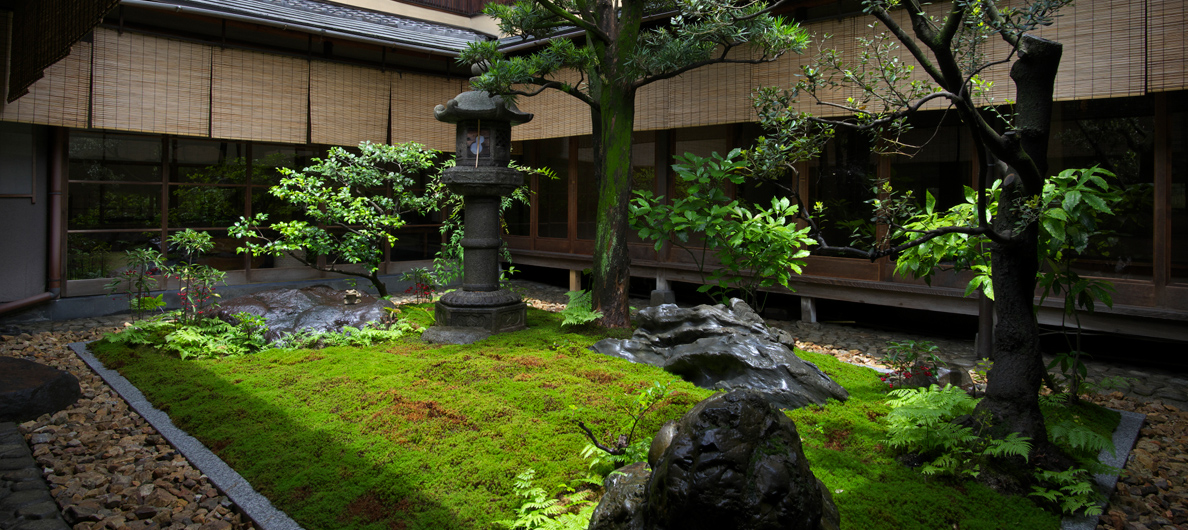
(555, 114)
(348, 104)
(150, 84)
(1167, 55)
(60, 97)
(258, 96)
(413, 98)
(1103, 49)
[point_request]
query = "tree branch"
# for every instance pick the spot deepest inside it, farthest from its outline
(586, 26)
(594, 440)
(720, 60)
(908, 42)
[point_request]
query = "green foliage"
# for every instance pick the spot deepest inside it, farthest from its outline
(447, 264)
(755, 246)
(423, 285)
(627, 449)
(541, 512)
(137, 280)
(369, 334)
(349, 214)
(197, 281)
(1070, 490)
(577, 312)
(909, 356)
(694, 36)
(622, 49)
(921, 421)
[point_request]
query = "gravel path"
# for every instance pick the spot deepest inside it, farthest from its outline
(107, 468)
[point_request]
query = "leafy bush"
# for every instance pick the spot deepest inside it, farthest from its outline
(756, 246)
(909, 357)
(197, 280)
(137, 280)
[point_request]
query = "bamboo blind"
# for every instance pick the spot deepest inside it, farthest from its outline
(1167, 55)
(44, 32)
(348, 104)
(257, 96)
(413, 98)
(149, 84)
(555, 114)
(60, 97)
(1103, 50)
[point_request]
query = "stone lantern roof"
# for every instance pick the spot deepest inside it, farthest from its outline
(479, 105)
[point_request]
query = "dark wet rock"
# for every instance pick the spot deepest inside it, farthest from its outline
(735, 461)
(453, 335)
(728, 348)
(313, 309)
(621, 507)
(29, 389)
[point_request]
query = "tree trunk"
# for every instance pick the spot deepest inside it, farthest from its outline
(378, 284)
(612, 145)
(1014, 381)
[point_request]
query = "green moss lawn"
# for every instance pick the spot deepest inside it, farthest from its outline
(407, 435)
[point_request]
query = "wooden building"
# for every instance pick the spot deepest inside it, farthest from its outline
(172, 113)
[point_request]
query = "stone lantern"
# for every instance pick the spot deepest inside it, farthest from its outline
(481, 177)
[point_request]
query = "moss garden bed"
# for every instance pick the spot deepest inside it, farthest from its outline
(408, 435)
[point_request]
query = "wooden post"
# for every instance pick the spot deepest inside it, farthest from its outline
(808, 309)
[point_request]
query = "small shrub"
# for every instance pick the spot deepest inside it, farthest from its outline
(908, 358)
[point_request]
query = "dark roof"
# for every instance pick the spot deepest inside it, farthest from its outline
(341, 20)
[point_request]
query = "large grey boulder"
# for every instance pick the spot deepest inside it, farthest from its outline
(727, 348)
(733, 461)
(319, 308)
(29, 389)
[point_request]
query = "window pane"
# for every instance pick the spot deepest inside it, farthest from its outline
(1118, 135)
(108, 147)
(553, 196)
(204, 206)
(842, 179)
(94, 206)
(935, 160)
(1179, 196)
(587, 189)
(102, 255)
(208, 162)
(266, 158)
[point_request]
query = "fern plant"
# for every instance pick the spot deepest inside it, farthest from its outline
(577, 311)
(921, 421)
(542, 512)
(1071, 490)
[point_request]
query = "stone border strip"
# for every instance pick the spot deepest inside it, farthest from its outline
(254, 505)
(1124, 437)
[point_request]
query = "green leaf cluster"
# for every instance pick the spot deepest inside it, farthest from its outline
(348, 213)
(542, 512)
(577, 311)
(755, 246)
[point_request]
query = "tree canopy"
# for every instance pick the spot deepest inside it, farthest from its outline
(602, 52)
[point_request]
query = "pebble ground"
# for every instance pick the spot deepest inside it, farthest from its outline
(107, 468)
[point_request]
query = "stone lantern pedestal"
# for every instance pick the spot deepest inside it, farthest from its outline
(481, 177)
